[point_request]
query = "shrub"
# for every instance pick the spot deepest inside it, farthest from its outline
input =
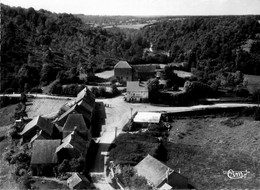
(23, 98)
(13, 133)
(7, 156)
(102, 91)
(132, 180)
(9, 91)
(64, 167)
(36, 90)
(257, 114)
(95, 91)
(55, 87)
(76, 165)
(132, 148)
(115, 90)
(242, 92)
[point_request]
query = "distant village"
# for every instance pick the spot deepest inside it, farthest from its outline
(68, 137)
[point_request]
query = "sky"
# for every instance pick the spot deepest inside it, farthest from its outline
(143, 7)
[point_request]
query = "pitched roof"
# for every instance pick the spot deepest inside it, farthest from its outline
(40, 135)
(86, 106)
(43, 151)
(153, 170)
(87, 95)
(42, 123)
(61, 120)
(73, 140)
(77, 178)
(136, 86)
(75, 120)
(122, 65)
(147, 117)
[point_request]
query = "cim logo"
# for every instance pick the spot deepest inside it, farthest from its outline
(236, 174)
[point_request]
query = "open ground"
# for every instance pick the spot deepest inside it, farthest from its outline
(204, 149)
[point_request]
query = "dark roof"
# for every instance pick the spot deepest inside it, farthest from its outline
(42, 123)
(62, 119)
(74, 141)
(76, 179)
(122, 65)
(87, 95)
(148, 68)
(89, 108)
(75, 120)
(43, 151)
(136, 86)
(153, 170)
(40, 136)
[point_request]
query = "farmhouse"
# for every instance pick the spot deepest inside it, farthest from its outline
(136, 91)
(78, 181)
(44, 157)
(48, 130)
(75, 120)
(160, 175)
(123, 71)
(73, 146)
(84, 103)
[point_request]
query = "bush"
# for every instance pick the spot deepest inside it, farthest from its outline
(13, 133)
(132, 148)
(257, 114)
(95, 91)
(132, 180)
(76, 164)
(55, 87)
(64, 167)
(102, 91)
(36, 90)
(242, 92)
(9, 91)
(115, 90)
(7, 156)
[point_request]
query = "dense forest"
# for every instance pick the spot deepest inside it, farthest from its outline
(38, 47)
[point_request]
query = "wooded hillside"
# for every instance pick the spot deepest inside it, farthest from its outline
(38, 47)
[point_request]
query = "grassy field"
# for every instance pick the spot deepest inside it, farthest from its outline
(105, 74)
(253, 82)
(202, 149)
(44, 107)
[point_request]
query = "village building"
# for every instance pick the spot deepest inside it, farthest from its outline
(159, 175)
(75, 120)
(44, 157)
(123, 71)
(42, 126)
(73, 146)
(78, 181)
(84, 103)
(136, 91)
(147, 119)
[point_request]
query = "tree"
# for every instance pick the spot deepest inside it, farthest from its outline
(64, 167)
(115, 90)
(153, 88)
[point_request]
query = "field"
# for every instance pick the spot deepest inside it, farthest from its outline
(44, 106)
(203, 149)
(105, 74)
(129, 26)
(253, 82)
